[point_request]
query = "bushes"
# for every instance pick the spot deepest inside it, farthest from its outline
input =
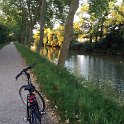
(113, 43)
(86, 46)
(4, 33)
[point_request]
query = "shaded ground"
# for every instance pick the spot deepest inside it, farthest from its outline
(12, 111)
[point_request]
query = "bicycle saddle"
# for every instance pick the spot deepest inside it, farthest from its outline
(29, 87)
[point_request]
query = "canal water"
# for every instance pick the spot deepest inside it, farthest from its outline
(98, 68)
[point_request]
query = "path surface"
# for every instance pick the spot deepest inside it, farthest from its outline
(12, 111)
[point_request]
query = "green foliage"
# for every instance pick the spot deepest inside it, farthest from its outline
(76, 102)
(2, 45)
(4, 33)
(57, 12)
(103, 14)
(113, 43)
(21, 16)
(85, 47)
(98, 7)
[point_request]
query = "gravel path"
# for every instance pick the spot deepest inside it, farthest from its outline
(12, 111)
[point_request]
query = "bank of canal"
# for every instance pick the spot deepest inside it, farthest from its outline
(75, 102)
(98, 68)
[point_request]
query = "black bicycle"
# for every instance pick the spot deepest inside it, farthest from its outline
(31, 98)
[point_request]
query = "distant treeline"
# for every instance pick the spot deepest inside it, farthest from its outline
(4, 34)
(112, 43)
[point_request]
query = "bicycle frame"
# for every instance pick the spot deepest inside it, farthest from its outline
(31, 99)
(32, 103)
(28, 77)
(31, 106)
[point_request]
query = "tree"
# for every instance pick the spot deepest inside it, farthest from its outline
(4, 33)
(51, 10)
(68, 32)
(25, 14)
(97, 10)
(33, 9)
(43, 9)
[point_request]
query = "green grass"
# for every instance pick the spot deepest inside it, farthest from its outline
(74, 101)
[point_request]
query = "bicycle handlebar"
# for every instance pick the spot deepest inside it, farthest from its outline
(31, 66)
(25, 70)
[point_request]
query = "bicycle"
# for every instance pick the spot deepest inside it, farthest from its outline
(31, 98)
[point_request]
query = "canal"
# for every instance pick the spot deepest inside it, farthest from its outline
(97, 68)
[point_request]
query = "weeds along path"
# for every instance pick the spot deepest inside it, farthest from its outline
(12, 110)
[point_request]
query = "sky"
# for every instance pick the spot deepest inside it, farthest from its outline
(118, 1)
(85, 1)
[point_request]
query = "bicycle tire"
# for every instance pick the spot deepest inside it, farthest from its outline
(23, 95)
(35, 119)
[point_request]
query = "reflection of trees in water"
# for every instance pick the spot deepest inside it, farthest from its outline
(108, 72)
(51, 53)
(102, 71)
(94, 68)
(119, 81)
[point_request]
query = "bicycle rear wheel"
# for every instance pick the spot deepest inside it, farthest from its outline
(35, 117)
(23, 94)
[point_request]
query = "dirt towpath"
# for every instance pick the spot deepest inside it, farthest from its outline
(12, 110)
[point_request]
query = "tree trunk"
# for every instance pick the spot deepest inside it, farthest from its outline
(91, 34)
(42, 23)
(68, 32)
(102, 24)
(22, 24)
(91, 37)
(101, 32)
(96, 38)
(97, 32)
(30, 23)
(26, 33)
(30, 35)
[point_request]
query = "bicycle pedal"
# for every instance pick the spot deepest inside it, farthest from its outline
(25, 119)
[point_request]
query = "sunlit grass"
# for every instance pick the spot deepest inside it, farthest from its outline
(76, 102)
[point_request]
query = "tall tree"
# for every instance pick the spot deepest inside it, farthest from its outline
(25, 13)
(50, 12)
(100, 10)
(33, 8)
(68, 32)
(43, 5)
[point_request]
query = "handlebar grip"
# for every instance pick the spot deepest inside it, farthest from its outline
(18, 75)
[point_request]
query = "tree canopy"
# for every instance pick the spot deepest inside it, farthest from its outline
(97, 19)
(4, 33)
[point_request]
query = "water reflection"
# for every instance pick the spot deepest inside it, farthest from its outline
(98, 69)
(95, 68)
(51, 53)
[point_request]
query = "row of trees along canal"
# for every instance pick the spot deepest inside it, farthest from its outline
(97, 21)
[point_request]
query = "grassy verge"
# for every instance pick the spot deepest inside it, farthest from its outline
(75, 103)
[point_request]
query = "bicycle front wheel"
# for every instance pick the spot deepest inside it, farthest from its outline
(40, 100)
